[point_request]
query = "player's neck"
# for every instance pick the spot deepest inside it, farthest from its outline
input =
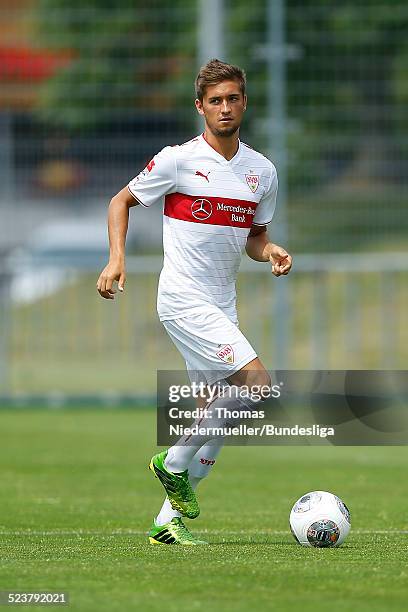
(225, 146)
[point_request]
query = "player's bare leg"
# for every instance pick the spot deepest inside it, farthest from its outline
(252, 374)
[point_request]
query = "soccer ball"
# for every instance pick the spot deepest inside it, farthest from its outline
(320, 519)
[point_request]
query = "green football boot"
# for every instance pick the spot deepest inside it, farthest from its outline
(174, 532)
(177, 485)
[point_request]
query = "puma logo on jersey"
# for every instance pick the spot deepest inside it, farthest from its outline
(198, 173)
(226, 354)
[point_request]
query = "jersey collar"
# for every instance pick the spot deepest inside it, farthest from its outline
(221, 157)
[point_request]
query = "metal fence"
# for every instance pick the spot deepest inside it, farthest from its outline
(89, 91)
(60, 338)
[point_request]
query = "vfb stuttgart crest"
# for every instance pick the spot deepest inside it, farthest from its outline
(226, 353)
(201, 209)
(252, 181)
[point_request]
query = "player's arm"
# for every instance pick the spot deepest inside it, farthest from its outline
(260, 248)
(118, 220)
(149, 186)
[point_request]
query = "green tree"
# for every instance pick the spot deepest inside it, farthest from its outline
(347, 87)
(125, 56)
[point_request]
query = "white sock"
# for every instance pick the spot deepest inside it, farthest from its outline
(179, 457)
(203, 461)
(166, 513)
(181, 454)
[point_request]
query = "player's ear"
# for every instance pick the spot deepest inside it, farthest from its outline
(245, 102)
(199, 106)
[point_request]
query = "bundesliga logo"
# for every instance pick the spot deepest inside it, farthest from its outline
(201, 209)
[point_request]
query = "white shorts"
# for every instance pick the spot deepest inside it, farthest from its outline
(212, 345)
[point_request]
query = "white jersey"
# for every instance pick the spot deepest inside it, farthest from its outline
(210, 204)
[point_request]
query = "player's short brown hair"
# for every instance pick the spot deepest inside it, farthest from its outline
(215, 72)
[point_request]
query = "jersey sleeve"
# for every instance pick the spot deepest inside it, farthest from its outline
(158, 178)
(266, 207)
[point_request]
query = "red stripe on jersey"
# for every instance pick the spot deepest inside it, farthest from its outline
(210, 210)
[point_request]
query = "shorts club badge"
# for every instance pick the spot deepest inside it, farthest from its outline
(226, 353)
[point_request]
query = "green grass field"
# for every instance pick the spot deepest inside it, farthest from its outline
(77, 499)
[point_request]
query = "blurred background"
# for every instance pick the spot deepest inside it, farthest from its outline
(90, 90)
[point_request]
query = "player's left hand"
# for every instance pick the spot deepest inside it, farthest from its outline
(281, 261)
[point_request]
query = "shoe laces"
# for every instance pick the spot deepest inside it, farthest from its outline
(178, 528)
(184, 486)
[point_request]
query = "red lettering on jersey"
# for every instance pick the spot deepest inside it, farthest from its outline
(210, 210)
(150, 165)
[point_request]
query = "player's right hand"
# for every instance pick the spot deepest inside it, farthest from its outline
(114, 271)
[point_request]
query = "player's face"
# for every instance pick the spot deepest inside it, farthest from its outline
(222, 107)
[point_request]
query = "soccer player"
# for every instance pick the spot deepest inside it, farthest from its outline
(219, 195)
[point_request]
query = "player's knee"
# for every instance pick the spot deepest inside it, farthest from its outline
(250, 378)
(259, 385)
(258, 379)
(256, 384)
(265, 379)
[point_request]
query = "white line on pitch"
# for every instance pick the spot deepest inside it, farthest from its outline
(130, 532)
